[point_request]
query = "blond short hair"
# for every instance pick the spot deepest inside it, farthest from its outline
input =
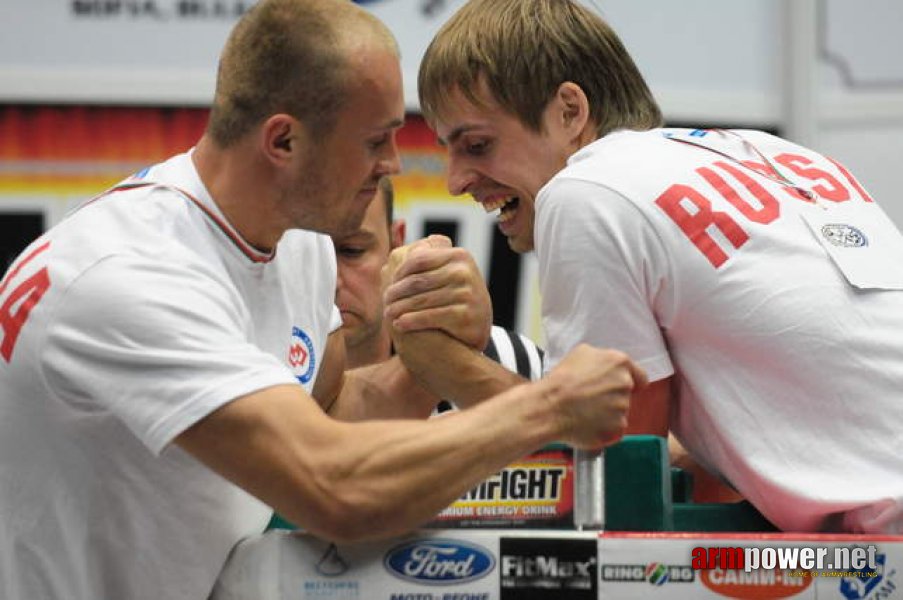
(524, 50)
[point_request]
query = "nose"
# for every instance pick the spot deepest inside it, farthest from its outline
(460, 178)
(339, 281)
(390, 162)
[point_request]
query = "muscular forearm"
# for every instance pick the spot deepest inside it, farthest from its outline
(356, 481)
(452, 370)
(402, 477)
(382, 391)
(352, 481)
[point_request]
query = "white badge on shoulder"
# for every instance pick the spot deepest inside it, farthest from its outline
(862, 241)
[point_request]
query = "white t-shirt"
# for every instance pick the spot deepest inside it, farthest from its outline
(699, 266)
(131, 320)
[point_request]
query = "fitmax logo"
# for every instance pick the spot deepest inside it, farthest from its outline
(546, 566)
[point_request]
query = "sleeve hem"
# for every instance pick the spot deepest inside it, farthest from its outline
(164, 431)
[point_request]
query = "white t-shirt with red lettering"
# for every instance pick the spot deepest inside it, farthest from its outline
(128, 322)
(698, 256)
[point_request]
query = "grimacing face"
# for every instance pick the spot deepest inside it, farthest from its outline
(500, 162)
(360, 257)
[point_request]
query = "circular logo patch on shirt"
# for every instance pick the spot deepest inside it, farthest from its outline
(301, 355)
(845, 236)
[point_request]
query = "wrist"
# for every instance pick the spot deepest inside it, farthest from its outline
(414, 387)
(543, 409)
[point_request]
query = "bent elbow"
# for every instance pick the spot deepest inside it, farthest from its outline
(348, 521)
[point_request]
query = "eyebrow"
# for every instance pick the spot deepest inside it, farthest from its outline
(394, 124)
(387, 126)
(359, 236)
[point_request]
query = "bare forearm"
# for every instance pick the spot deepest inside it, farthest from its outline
(382, 391)
(452, 370)
(355, 481)
(350, 481)
(402, 477)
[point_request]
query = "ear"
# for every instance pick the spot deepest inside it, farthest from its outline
(281, 137)
(399, 231)
(570, 109)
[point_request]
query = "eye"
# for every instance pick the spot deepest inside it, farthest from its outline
(376, 143)
(350, 251)
(476, 147)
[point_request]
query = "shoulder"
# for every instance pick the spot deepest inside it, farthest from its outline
(302, 240)
(617, 148)
(308, 255)
(610, 166)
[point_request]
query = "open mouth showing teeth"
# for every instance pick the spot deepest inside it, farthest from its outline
(506, 207)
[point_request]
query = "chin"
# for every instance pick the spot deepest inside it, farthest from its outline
(519, 245)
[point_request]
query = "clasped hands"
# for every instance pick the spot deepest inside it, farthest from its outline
(431, 285)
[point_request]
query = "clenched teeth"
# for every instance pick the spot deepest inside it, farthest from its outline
(496, 203)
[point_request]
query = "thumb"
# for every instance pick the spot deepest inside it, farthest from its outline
(438, 241)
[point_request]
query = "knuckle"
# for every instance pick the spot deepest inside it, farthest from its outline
(458, 272)
(412, 303)
(418, 283)
(399, 253)
(399, 308)
(462, 296)
(460, 314)
(624, 378)
(617, 356)
(422, 301)
(416, 261)
(460, 255)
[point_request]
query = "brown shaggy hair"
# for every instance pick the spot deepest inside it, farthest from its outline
(524, 50)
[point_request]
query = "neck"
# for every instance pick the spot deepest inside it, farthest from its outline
(238, 184)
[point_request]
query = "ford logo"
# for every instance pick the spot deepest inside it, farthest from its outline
(437, 562)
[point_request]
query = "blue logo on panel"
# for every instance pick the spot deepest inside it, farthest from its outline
(439, 562)
(861, 586)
